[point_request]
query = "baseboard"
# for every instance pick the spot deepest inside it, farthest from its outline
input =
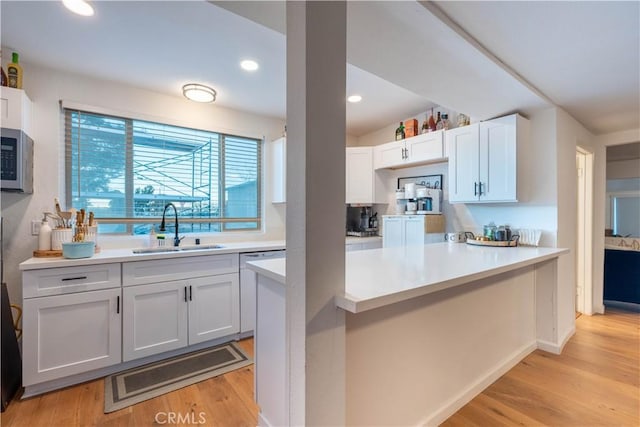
(464, 397)
(262, 420)
(51, 385)
(551, 347)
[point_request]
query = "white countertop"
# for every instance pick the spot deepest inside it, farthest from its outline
(380, 277)
(106, 256)
(126, 254)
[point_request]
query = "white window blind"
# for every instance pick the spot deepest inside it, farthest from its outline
(126, 170)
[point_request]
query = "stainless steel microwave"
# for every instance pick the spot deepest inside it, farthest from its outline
(17, 161)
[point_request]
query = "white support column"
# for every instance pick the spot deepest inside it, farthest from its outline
(316, 81)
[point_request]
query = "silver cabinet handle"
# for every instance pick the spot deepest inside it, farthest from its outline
(475, 188)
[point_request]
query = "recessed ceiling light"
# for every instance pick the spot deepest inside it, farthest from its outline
(354, 98)
(81, 7)
(249, 65)
(199, 93)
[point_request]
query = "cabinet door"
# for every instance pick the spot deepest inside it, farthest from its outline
(214, 307)
(498, 160)
(463, 149)
(154, 318)
(388, 155)
(70, 334)
(279, 170)
(424, 148)
(392, 231)
(359, 175)
(414, 231)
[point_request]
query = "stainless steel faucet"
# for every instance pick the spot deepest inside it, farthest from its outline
(176, 239)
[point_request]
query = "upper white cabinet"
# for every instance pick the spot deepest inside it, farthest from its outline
(279, 170)
(363, 185)
(15, 109)
(483, 160)
(419, 149)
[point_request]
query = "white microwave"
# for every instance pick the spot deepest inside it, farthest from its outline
(17, 161)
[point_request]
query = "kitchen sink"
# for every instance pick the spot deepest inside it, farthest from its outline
(199, 247)
(175, 249)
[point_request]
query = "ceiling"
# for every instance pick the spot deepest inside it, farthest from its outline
(482, 58)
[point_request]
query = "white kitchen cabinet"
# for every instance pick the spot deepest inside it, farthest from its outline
(171, 304)
(413, 151)
(214, 305)
(70, 334)
(155, 318)
(279, 170)
(483, 160)
(409, 230)
(15, 109)
(363, 184)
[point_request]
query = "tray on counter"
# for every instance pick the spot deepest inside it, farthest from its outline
(506, 243)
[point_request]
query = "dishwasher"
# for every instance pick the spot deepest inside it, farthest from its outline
(248, 281)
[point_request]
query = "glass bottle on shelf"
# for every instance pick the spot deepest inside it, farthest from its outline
(400, 132)
(444, 123)
(425, 125)
(438, 122)
(432, 122)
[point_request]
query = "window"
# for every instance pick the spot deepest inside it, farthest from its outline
(126, 170)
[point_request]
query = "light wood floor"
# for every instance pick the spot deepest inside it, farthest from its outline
(596, 381)
(226, 400)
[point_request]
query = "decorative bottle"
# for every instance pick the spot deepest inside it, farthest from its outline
(400, 132)
(432, 122)
(4, 75)
(425, 125)
(14, 71)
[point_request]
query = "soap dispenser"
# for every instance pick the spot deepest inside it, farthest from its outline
(44, 237)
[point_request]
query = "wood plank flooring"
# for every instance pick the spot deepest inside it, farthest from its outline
(226, 400)
(596, 381)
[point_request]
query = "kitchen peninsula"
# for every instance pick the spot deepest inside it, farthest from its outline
(427, 327)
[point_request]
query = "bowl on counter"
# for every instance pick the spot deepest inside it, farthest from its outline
(78, 249)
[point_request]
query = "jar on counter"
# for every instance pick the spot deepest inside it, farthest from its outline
(490, 231)
(501, 234)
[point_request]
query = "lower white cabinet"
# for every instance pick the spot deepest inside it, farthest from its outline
(155, 319)
(165, 316)
(214, 307)
(70, 334)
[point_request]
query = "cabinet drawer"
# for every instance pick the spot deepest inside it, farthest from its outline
(66, 280)
(143, 272)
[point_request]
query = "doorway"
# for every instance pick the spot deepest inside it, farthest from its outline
(584, 231)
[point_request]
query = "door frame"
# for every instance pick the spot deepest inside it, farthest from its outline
(584, 229)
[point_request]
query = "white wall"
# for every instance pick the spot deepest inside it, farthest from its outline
(622, 169)
(570, 135)
(598, 146)
(46, 87)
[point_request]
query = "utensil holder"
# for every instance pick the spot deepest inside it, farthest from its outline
(60, 236)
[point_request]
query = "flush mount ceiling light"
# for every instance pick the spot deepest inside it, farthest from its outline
(199, 93)
(249, 65)
(354, 98)
(81, 7)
